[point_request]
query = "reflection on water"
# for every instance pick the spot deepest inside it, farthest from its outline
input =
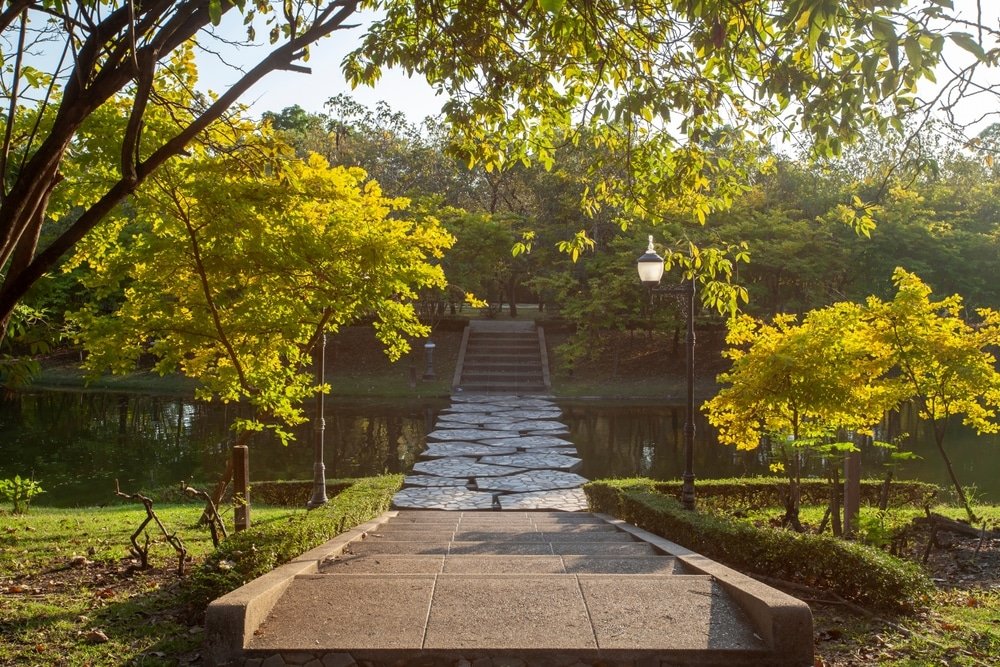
(643, 440)
(76, 444)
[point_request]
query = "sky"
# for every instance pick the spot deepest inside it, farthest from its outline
(413, 96)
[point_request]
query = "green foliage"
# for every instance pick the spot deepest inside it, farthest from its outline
(293, 493)
(231, 263)
(20, 491)
(858, 573)
(249, 554)
(756, 492)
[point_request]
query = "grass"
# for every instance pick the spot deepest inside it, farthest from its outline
(72, 595)
(53, 611)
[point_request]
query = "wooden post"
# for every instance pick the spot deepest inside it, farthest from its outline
(241, 486)
(852, 492)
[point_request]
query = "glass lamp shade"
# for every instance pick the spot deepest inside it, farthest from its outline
(650, 266)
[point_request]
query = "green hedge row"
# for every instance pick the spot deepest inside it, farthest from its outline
(293, 493)
(771, 491)
(858, 573)
(249, 554)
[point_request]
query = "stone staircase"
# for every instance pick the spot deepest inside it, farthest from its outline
(437, 588)
(504, 358)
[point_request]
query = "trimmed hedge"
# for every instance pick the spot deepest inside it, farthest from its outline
(858, 573)
(293, 493)
(771, 491)
(249, 554)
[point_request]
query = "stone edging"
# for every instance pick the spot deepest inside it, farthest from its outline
(782, 621)
(232, 618)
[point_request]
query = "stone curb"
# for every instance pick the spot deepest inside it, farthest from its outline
(234, 617)
(782, 621)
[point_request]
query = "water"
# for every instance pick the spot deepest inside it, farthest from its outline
(77, 443)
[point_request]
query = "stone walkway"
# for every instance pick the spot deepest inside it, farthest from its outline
(492, 589)
(496, 452)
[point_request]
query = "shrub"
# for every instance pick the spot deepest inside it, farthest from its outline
(251, 553)
(771, 491)
(20, 492)
(293, 493)
(861, 574)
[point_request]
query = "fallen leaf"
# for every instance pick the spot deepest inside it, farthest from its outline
(96, 637)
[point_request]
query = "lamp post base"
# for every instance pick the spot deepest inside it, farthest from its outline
(687, 490)
(319, 487)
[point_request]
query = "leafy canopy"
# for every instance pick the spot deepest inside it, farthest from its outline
(232, 262)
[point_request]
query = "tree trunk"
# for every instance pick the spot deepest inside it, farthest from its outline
(939, 441)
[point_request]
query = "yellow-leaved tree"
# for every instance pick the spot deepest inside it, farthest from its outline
(228, 265)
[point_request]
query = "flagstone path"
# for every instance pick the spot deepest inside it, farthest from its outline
(496, 452)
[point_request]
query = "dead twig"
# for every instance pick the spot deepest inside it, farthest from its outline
(142, 552)
(215, 522)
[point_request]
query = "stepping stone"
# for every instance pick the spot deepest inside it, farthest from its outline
(460, 466)
(444, 498)
(516, 403)
(567, 500)
(535, 480)
(531, 425)
(535, 461)
(530, 414)
(437, 451)
(465, 434)
(433, 480)
(472, 407)
(530, 441)
(465, 418)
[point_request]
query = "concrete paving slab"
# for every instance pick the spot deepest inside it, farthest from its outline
(433, 480)
(369, 547)
(597, 536)
(508, 612)
(668, 612)
(623, 565)
(489, 535)
(348, 611)
(412, 535)
(500, 548)
(458, 564)
(382, 564)
(603, 549)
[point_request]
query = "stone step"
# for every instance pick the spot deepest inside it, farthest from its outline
(502, 365)
(501, 376)
(500, 548)
(504, 388)
(462, 564)
(439, 619)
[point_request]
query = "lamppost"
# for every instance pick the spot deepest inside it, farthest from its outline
(650, 267)
(319, 426)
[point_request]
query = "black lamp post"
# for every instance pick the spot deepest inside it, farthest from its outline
(319, 426)
(650, 267)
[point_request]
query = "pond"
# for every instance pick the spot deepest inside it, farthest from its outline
(77, 443)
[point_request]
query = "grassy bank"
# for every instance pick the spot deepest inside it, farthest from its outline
(72, 594)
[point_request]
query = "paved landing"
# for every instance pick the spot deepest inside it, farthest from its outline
(496, 452)
(515, 588)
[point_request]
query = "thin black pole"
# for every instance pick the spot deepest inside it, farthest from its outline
(319, 426)
(687, 487)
